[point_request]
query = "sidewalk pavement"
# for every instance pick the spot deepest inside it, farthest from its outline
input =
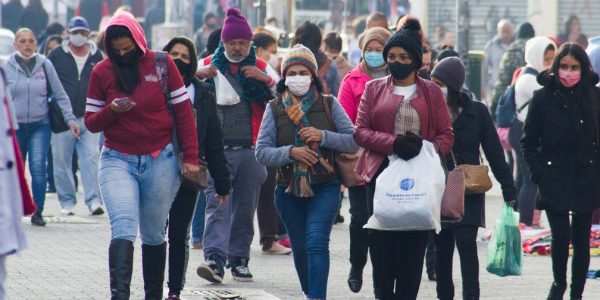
(68, 259)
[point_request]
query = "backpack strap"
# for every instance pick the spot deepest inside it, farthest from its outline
(48, 86)
(162, 70)
(327, 104)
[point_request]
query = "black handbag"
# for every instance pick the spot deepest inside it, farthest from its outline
(57, 121)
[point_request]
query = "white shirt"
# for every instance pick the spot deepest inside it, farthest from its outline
(191, 92)
(80, 61)
(405, 91)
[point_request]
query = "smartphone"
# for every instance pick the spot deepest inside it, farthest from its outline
(122, 101)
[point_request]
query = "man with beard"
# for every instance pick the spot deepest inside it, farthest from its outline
(229, 222)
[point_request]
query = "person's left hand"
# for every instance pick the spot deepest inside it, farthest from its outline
(222, 198)
(189, 171)
(255, 73)
(310, 134)
(75, 130)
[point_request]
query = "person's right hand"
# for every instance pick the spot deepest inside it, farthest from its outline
(513, 205)
(121, 108)
(304, 155)
(206, 72)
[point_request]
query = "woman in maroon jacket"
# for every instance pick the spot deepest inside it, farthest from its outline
(395, 114)
(138, 170)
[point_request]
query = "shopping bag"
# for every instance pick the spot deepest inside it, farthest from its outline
(408, 194)
(505, 248)
(225, 93)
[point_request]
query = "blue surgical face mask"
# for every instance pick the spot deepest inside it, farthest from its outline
(374, 59)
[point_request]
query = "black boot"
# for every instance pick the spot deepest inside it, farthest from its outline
(355, 279)
(120, 263)
(153, 264)
(556, 291)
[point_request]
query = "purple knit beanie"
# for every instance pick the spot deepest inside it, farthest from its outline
(236, 26)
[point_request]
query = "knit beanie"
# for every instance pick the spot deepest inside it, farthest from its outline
(299, 55)
(451, 72)
(236, 26)
(447, 53)
(381, 35)
(408, 39)
(525, 31)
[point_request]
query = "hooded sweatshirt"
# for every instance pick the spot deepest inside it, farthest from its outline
(146, 128)
(29, 91)
(527, 83)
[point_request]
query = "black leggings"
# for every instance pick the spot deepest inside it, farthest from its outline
(464, 237)
(180, 218)
(359, 216)
(578, 232)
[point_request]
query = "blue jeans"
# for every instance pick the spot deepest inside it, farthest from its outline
(34, 140)
(198, 221)
(138, 190)
(308, 222)
(63, 146)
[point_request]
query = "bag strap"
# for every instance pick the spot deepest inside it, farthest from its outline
(328, 112)
(162, 70)
(48, 86)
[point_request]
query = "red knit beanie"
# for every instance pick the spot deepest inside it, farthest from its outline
(236, 26)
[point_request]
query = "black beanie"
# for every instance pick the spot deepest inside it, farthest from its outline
(409, 39)
(525, 31)
(451, 71)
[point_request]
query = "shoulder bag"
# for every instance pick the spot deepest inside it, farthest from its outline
(344, 163)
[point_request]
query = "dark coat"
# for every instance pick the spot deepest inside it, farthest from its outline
(210, 136)
(34, 18)
(75, 84)
(11, 15)
(474, 129)
(561, 148)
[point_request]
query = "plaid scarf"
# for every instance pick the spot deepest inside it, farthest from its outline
(297, 110)
(252, 89)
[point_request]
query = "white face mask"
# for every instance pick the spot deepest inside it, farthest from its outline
(298, 84)
(78, 39)
(445, 93)
(273, 61)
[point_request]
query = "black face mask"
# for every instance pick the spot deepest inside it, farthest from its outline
(128, 58)
(211, 26)
(183, 67)
(400, 71)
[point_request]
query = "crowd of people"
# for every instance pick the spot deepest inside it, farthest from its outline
(266, 129)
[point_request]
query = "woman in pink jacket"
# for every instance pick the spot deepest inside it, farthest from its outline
(372, 66)
(396, 113)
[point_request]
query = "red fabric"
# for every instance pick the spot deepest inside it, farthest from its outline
(376, 118)
(146, 127)
(126, 19)
(516, 75)
(351, 90)
(257, 109)
(29, 206)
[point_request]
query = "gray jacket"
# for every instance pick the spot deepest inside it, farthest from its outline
(270, 155)
(29, 92)
(490, 67)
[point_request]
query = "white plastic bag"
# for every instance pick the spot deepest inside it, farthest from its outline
(225, 93)
(408, 194)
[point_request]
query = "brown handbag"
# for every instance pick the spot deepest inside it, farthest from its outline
(344, 163)
(453, 200)
(477, 178)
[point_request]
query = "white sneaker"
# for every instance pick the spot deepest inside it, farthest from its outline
(277, 249)
(68, 211)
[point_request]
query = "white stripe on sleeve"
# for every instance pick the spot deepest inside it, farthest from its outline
(178, 92)
(96, 102)
(90, 108)
(179, 99)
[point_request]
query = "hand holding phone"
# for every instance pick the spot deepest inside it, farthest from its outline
(121, 105)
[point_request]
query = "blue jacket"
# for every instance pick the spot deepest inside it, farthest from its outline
(29, 91)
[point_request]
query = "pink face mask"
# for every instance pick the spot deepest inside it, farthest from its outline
(569, 79)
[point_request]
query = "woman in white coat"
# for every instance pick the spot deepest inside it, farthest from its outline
(12, 236)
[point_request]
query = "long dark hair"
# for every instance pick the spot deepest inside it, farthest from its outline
(568, 22)
(588, 104)
(128, 77)
(456, 100)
